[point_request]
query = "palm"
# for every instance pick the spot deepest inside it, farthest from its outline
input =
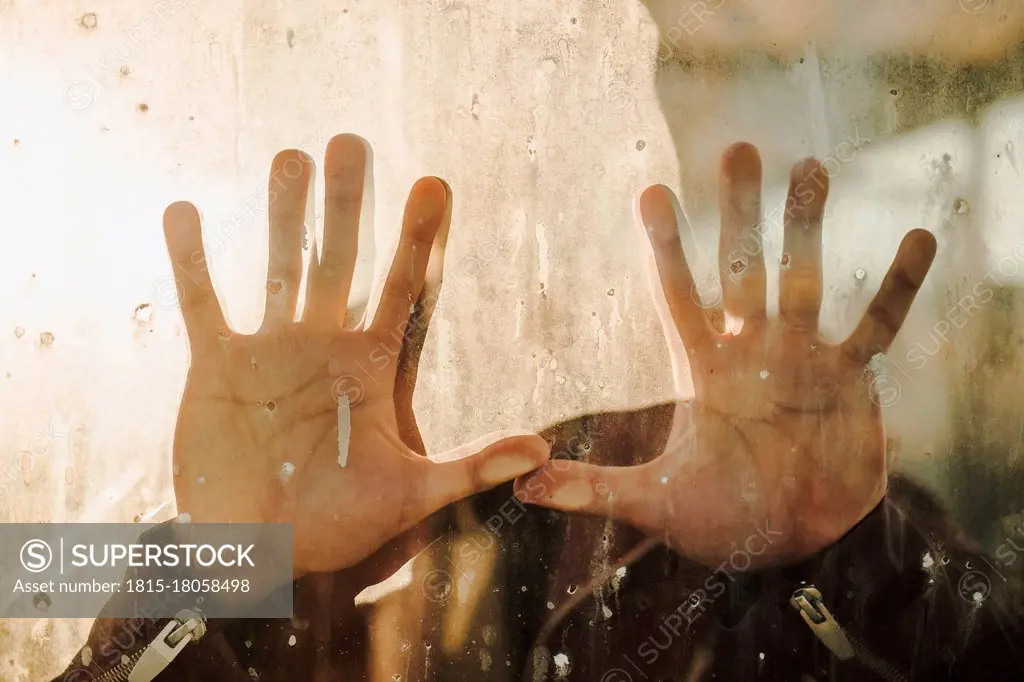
(787, 439)
(257, 438)
(782, 449)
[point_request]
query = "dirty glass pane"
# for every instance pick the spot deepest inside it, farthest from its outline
(547, 121)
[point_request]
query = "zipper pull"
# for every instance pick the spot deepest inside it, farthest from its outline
(807, 600)
(187, 626)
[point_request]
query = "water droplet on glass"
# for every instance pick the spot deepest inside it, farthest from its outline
(274, 286)
(969, 565)
(738, 266)
(572, 589)
(764, 374)
(291, 640)
(143, 313)
(46, 339)
(664, 480)
(784, 260)
(19, 332)
(961, 206)
(860, 274)
(287, 469)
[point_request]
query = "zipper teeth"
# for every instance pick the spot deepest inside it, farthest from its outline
(123, 670)
(880, 666)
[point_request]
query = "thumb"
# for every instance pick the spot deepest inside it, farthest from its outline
(628, 493)
(467, 470)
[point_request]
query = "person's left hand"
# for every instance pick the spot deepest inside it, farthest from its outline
(782, 451)
(257, 438)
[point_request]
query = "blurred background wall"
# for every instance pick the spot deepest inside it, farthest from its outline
(547, 119)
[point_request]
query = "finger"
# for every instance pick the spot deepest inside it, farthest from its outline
(202, 313)
(740, 251)
(888, 310)
(424, 212)
(800, 279)
(657, 210)
(467, 471)
(624, 493)
(416, 336)
(288, 190)
(344, 178)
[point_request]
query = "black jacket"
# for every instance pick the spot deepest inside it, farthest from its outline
(914, 600)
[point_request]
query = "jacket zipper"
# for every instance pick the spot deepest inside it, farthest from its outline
(148, 662)
(808, 601)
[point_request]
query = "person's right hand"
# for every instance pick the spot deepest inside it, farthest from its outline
(257, 433)
(783, 447)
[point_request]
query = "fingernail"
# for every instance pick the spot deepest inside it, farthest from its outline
(501, 468)
(432, 195)
(572, 495)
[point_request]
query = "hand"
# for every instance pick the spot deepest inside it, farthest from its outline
(257, 433)
(782, 450)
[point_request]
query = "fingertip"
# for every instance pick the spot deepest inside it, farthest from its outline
(182, 229)
(658, 212)
(922, 240)
(428, 201)
(917, 253)
(293, 164)
(741, 163)
(180, 212)
(352, 148)
(809, 172)
(531, 445)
